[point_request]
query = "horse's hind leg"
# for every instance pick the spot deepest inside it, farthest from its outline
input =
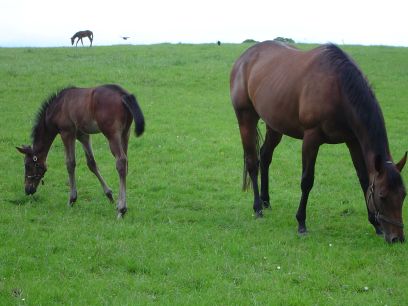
(117, 149)
(68, 139)
(90, 160)
(248, 120)
(272, 139)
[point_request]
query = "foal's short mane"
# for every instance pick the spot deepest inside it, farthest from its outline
(359, 94)
(39, 120)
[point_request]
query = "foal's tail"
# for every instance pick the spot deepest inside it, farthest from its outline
(132, 105)
(246, 181)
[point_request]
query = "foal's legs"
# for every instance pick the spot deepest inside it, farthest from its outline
(90, 160)
(117, 149)
(362, 174)
(310, 147)
(272, 139)
(69, 143)
(248, 120)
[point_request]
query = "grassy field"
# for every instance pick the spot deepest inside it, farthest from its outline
(189, 237)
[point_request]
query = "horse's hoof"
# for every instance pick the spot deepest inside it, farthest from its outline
(266, 204)
(109, 195)
(302, 231)
(121, 212)
(71, 202)
(259, 214)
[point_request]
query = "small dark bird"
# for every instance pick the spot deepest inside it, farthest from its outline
(125, 37)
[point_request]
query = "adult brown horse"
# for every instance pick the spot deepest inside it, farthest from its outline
(320, 96)
(75, 113)
(81, 34)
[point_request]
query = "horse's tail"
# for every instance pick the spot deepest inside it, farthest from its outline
(246, 182)
(134, 108)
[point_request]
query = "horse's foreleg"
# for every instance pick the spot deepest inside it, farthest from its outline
(248, 120)
(90, 38)
(90, 160)
(272, 139)
(311, 143)
(69, 144)
(82, 42)
(117, 150)
(362, 174)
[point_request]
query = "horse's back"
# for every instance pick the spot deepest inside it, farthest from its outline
(288, 88)
(91, 110)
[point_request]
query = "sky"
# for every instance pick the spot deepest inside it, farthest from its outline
(51, 23)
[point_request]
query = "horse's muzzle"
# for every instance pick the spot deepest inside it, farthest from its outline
(29, 190)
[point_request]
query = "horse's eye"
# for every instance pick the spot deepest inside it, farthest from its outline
(36, 165)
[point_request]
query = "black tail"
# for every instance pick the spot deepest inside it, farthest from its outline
(246, 180)
(132, 105)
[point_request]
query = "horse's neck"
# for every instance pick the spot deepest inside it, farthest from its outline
(372, 147)
(42, 142)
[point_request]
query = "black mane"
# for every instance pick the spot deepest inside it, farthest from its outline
(39, 121)
(360, 95)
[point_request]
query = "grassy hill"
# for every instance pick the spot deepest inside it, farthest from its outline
(189, 236)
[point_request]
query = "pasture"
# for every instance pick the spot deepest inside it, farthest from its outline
(189, 237)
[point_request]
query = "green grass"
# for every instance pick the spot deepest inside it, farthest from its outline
(189, 236)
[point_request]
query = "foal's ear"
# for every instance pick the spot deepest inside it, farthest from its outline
(24, 149)
(400, 165)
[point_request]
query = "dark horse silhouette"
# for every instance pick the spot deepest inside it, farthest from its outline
(75, 113)
(81, 34)
(320, 96)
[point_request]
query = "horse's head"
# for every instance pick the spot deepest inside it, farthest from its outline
(35, 169)
(385, 197)
(72, 40)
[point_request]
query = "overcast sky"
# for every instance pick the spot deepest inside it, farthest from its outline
(39, 23)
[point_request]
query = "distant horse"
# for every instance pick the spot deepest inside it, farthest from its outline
(75, 113)
(320, 96)
(81, 34)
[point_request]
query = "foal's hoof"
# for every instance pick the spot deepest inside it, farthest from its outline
(109, 195)
(302, 231)
(266, 204)
(71, 201)
(121, 213)
(258, 214)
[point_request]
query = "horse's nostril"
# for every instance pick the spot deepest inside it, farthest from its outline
(397, 239)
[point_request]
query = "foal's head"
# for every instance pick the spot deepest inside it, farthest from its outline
(72, 40)
(35, 169)
(385, 197)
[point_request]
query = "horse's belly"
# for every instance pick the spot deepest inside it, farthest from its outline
(90, 128)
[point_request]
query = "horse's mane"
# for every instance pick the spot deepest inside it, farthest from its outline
(359, 94)
(39, 121)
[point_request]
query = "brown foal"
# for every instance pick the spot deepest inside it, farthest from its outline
(75, 113)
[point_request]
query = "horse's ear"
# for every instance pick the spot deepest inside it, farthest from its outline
(378, 163)
(24, 149)
(400, 165)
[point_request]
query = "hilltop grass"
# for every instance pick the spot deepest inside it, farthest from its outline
(189, 236)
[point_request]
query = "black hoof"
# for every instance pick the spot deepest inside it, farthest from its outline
(72, 201)
(259, 214)
(266, 204)
(302, 230)
(122, 212)
(109, 196)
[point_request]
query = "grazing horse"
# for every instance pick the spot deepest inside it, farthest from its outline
(81, 34)
(75, 113)
(320, 96)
